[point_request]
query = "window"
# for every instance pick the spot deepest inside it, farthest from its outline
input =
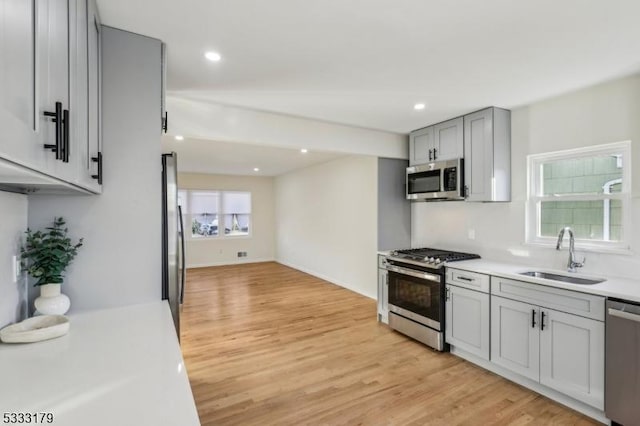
(587, 189)
(216, 213)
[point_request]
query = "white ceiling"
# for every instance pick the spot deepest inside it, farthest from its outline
(366, 62)
(232, 158)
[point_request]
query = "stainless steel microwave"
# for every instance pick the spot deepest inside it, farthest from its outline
(440, 180)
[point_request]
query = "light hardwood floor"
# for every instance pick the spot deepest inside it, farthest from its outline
(265, 344)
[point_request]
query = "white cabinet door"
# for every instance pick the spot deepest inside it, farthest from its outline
(18, 95)
(572, 356)
(478, 149)
(515, 336)
(467, 320)
(448, 139)
(421, 146)
(383, 296)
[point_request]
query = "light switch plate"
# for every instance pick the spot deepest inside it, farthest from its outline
(471, 234)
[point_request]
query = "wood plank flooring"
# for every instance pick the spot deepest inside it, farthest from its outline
(265, 344)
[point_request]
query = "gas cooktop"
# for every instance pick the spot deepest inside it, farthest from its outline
(431, 256)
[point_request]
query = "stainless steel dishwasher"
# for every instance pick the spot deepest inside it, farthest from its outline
(622, 388)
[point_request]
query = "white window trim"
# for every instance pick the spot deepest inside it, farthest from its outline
(221, 236)
(535, 197)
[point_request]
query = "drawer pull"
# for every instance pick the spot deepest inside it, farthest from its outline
(465, 278)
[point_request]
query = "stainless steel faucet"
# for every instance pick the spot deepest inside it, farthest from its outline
(572, 264)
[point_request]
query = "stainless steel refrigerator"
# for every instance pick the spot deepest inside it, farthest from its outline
(173, 262)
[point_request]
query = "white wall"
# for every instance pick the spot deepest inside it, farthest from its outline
(121, 260)
(13, 211)
(326, 221)
(260, 246)
(606, 113)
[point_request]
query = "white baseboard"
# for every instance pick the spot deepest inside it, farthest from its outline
(227, 262)
(563, 399)
(327, 278)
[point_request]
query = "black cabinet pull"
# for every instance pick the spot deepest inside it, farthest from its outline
(98, 160)
(430, 152)
(57, 118)
(541, 320)
(435, 156)
(65, 136)
(533, 318)
(165, 122)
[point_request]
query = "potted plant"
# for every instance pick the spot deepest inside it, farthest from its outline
(46, 255)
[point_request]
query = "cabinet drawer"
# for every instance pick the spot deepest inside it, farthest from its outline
(568, 301)
(470, 280)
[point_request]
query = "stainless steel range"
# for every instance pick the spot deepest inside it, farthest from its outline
(416, 292)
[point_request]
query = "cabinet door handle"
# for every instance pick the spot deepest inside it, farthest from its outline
(65, 136)
(165, 122)
(466, 191)
(98, 160)
(435, 156)
(448, 294)
(430, 152)
(57, 118)
(533, 318)
(541, 320)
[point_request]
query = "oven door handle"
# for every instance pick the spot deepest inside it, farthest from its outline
(412, 273)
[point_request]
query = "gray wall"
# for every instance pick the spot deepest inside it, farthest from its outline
(13, 211)
(120, 263)
(394, 210)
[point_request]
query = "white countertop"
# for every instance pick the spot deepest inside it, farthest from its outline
(118, 366)
(621, 288)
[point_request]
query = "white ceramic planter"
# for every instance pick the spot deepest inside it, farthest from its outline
(51, 301)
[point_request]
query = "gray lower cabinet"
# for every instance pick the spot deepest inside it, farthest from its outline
(572, 356)
(383, 292)
(467, 320)
(515, 336)
(562, 351)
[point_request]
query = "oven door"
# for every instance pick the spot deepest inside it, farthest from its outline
(416, 295)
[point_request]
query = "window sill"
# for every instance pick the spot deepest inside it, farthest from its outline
(220, 238)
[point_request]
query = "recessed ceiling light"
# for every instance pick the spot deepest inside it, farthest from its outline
(304, 150)
(255, 169)
(179, 137)
(419, 107)
(213, 56)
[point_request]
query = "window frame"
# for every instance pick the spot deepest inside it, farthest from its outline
(535, 197)
(188, 216)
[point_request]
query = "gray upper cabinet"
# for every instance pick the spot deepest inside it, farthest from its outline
(45, 81)
(487, 148)
(443, 141)
(86, 108)
(18, 108)
(448, 139)
(421, 146)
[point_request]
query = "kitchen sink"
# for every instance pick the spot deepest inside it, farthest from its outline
(562, 278)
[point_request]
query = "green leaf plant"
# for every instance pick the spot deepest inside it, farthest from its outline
(46, 254)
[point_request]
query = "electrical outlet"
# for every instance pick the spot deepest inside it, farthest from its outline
(242, 254)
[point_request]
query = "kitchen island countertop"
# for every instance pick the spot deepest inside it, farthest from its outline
(120, 366)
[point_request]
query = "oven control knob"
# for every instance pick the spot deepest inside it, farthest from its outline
(438, 260)
(394, 253)
(431, 260)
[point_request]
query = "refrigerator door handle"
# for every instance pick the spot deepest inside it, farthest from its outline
(183, 269)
